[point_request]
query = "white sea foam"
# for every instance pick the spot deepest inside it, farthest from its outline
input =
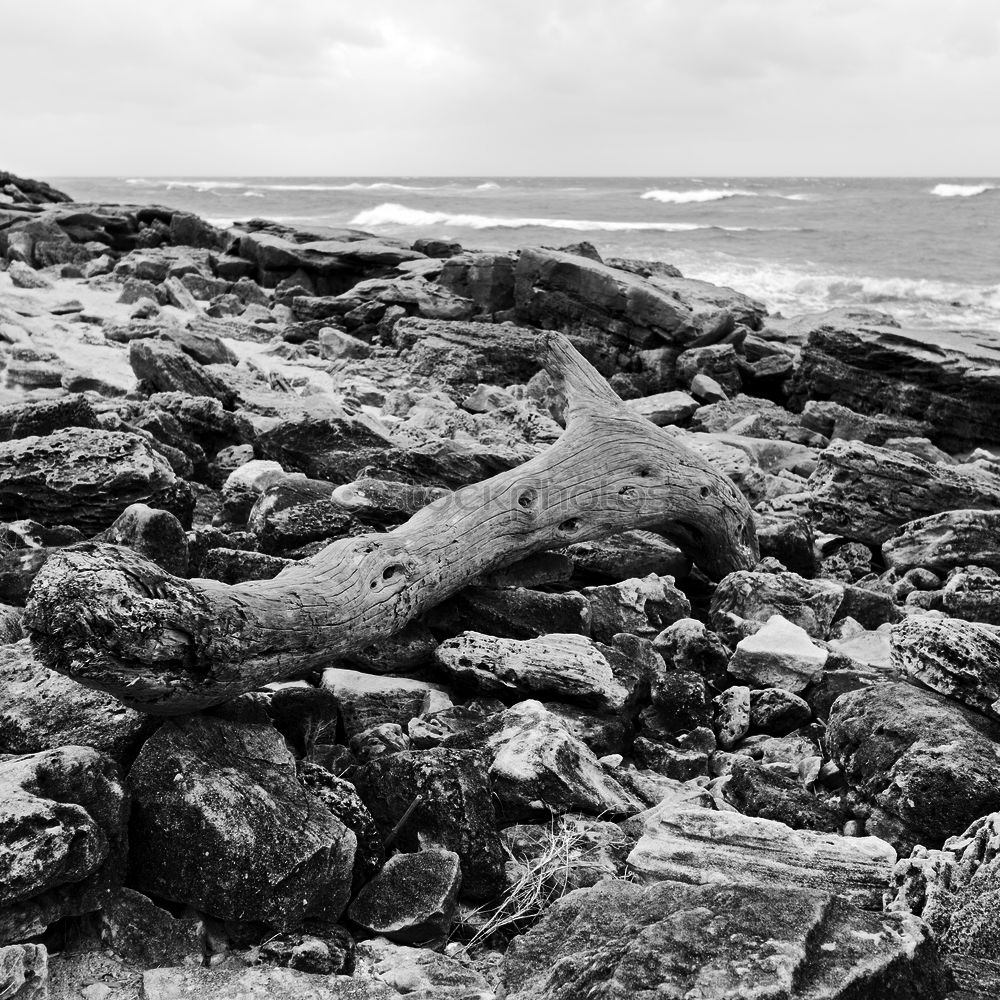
(700, 194)
(794, 291)
(961, 190)
(488, 186)
(392, 214)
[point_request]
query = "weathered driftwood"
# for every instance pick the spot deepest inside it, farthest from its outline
(115, 621)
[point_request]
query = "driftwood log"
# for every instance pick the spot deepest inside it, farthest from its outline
(112, 620)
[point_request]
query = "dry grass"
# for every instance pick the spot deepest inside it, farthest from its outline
(542, 880)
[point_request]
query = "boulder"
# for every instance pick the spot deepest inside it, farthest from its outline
(221, 822)
(446, 799)
(155, 534)
(665, 408)
(777, 712)
(332, 266)
(563, 291)
(412, 900)
(689, 645)
(810, 604)
(973, 595)
(956, 658)
(367, 700)
(769, 791)
(627, 555)
(42, 710)
(865, 493)
(79, 476)
(642, 607)
(43, 416)
(485, 278)
(943, 541)
(462, 354)
(163, 366)
(24, 972)
(955, 890)
(951, 383)
(420, 973)
(569, 667)
(835, 421)
(732, 716)
(703, 846)
(334, 447)
(924, 765)
(536, 764)
(779, 655)
(620, 941)
(513, 613)
(139, 931)
(62, 837)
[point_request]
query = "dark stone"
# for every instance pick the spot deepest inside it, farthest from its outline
(42, 710)
(79, 476)
(517, 613)
(618, 941)
(412, 900)
(221, 822)
(760, 790)
(155, 534)
(925, 766)
(43, 416)
(454, 811)
(62, 837)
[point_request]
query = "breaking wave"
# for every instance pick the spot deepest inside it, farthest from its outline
(961, 190)
(391, 214)
(912, 300)
(700, 194)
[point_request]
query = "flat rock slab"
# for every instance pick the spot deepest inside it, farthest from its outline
(702, 846)
(943, 541)
(620, 941)
(950, 381)
(79, 476)
(569, 667)
(866, 493)
(258, 983)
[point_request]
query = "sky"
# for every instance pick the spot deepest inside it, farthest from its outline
(500, 87)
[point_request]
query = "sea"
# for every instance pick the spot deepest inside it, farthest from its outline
(926, 250)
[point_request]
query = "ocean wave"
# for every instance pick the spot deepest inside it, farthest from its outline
(961, 190)
(914, 300)
(488, 186)
(698, 195)
(252, 194)
(392, 214)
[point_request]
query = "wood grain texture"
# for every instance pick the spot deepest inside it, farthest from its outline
(115, 621)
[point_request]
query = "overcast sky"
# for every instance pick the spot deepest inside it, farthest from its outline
(493, 87)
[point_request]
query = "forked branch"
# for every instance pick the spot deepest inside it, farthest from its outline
(115, 621)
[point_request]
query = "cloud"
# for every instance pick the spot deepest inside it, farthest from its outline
(475, 86)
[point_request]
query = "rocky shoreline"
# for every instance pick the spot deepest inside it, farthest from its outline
(594, 772)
